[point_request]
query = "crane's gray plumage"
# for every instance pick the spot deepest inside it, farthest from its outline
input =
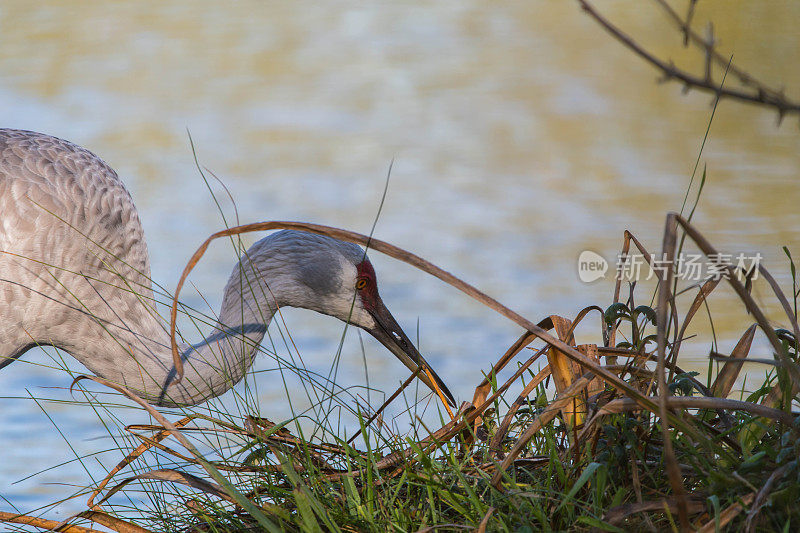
(75, 274)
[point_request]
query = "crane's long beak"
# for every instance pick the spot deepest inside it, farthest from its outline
(391, 335)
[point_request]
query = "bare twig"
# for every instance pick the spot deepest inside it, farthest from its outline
(709, 46)
(758, 94)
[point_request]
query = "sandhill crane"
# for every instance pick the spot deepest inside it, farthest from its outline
(75, 274)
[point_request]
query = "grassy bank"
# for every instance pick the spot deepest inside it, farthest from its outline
(600, 430)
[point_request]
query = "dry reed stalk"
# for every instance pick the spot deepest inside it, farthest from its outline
(413, 260)
(549, 413)
(727, 515)
(752, 307)
(723, 383)
(561, 368)
(664, 296)
(172, 476)
(161, 435)
(616, 515)
(502, 431)
(621, 405)
(42, 523)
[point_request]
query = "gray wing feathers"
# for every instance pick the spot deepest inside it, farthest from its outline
(71, 243)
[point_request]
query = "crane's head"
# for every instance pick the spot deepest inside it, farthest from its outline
(335, 278)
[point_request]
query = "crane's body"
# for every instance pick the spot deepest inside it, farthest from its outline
(75, 274)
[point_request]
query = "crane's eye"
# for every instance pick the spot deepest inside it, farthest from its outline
(361, 283)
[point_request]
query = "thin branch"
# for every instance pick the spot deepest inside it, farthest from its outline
(760, 94)
(709, 46)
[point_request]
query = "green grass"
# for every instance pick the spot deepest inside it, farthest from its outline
(524, 467)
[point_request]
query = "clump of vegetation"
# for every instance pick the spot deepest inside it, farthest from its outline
(610, 434)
